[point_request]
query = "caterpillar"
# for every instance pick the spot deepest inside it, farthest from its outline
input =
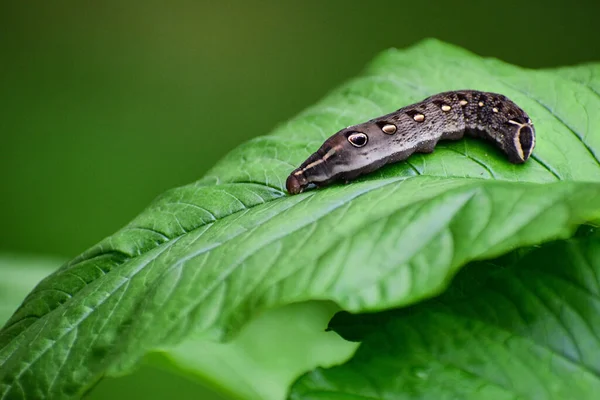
(417, 128)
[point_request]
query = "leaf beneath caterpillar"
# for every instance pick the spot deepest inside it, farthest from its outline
(205, 258)
(563, 105)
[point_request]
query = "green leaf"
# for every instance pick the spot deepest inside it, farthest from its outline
(373, 245)
(355, 327)
(262, 361)
(205, 258)
(563, 105)
(586, 74)
(267, 356)
(532, 331)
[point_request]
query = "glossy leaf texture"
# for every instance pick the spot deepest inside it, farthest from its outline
(205, 258)
(531, 330)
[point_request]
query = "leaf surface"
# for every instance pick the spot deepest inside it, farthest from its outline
(531, 331)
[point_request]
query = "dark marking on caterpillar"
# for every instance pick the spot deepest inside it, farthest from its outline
(417, 128)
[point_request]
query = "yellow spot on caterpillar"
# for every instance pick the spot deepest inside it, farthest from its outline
(480, 104)
(446, 108)
(494, 109)
(389, 129)
(419, 117)
(463, 103)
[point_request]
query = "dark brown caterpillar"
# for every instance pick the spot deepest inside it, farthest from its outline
(417, 128)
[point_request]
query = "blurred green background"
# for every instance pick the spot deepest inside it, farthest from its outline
(106, 104)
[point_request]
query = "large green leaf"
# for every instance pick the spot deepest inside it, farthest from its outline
(261, 362)
(530, 332)
(205, 258)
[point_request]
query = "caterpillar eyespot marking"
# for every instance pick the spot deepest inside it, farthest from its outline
(358, 139)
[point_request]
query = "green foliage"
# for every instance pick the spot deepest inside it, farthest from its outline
(205, 259)
(532, 330)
